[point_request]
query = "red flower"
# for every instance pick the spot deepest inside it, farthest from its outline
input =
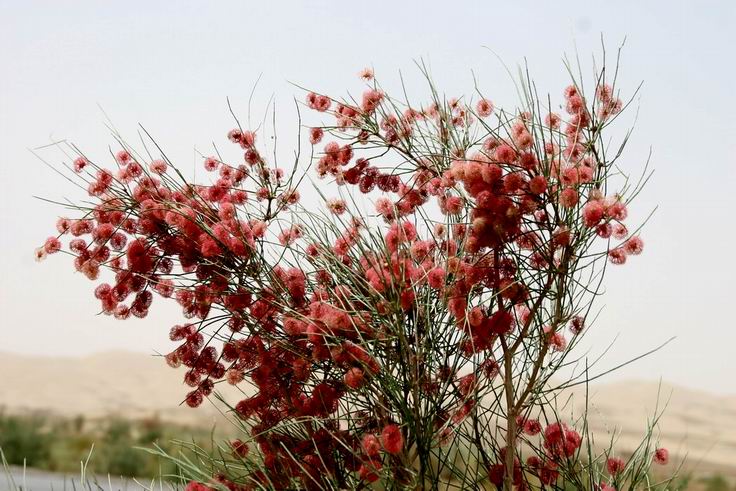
(392, 439)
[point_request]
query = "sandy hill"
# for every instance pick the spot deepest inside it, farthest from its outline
(695, 423)
(130, 385)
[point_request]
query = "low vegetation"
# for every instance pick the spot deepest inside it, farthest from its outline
(56, 444)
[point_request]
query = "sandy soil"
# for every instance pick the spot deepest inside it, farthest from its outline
(697, 424)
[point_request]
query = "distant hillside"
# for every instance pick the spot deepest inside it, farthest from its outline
(130, 385)
(695, 423)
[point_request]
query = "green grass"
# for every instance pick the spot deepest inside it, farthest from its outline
(56, 444)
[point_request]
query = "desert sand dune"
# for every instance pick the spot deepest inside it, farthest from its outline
(697, 424)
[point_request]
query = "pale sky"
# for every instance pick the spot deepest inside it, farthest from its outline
(170, 66)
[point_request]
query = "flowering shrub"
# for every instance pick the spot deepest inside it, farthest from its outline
(404, 343)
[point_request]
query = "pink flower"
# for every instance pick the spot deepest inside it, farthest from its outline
(620, 231)
(604, 230)
(366, 74)
(604, 93)
(617, 256)
(197, 486)
(336, 206)
(577, 324)
(79, 164)
(392, 439)
(552, 120)
(615, 465)
(371, 446)
(569, 197)
(484, 108)
(634, 246)
(560, 440)
(354, 378)
(123, 157)
(538, 185)
(454, 205)
(248, 139)
(385, 207)
(318, 102)
(436, 278)
(593, 212)
(557, 341)
(39, 254)
(158, 166)
(661, 456)
(63, 225)
(371, 99)
(368, 471)
(211, 164)
(532, 427)
(616, 211)
(194, 399)
(504, 153)
(52, 245)
(235, 135)
(315, 135)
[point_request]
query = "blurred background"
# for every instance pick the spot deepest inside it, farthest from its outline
(71, 68)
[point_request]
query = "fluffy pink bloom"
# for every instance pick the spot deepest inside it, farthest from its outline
(368, 471)
(123, 157)
(366, 74)
(235, 135)
(620, 231)
(392, 439)
(371, 446)
(577, 324)
(617, 256)
(634, 246)
(354, 378)
(52, 245)
(318, 102)
(616, 211)
(593, 213)
(385, 207)
(336, 206)
(194, 399)
(248, 139)
(505, 153)
(436, 278)
(158, 166)
(604, 230)
(211, 164)
(552, 120)
(79, 164)
(315, 135)
(371, 99)
(197, 486)
(661, 456)
(560, 440)
(454, 205)
(604, 93)
(538, 185)
(615, 465)
(420, 249)
(558, 342)
(39, 254)
(484, 108)
(532, 427)
(569, 197)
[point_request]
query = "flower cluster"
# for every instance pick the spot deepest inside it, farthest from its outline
(367, 341)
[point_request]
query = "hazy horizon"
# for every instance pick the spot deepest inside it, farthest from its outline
(172, 68)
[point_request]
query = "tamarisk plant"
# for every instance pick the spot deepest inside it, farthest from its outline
(402, 335)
